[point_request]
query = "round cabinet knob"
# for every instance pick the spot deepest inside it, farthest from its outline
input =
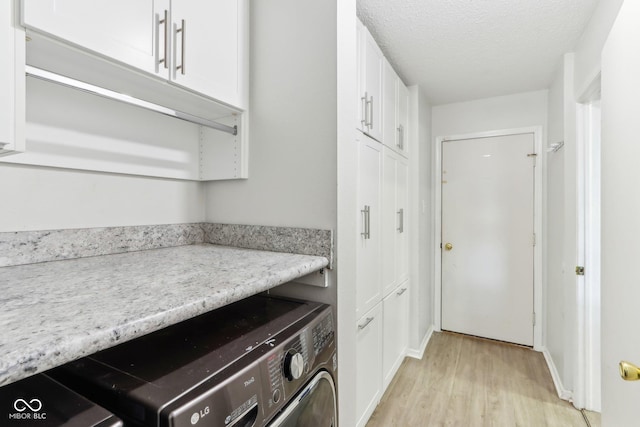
(448, 246)
(293, 365)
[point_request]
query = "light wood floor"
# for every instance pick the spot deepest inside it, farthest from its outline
(468, 382)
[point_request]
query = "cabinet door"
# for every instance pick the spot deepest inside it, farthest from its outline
(389, 221)
(395, 331)
(401, 213)
(128, 31)
(368, 283)
(395, 241)
(371, 91)
(368, 364)
(402, 122)
(208, 39)
(12, 82)
(360, 77)
(389, 102)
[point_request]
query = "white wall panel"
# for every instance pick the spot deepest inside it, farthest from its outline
(37, 198)
(292, 163)
(503, 112)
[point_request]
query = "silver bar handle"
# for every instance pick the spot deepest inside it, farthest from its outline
(370, 110)
(363, 102)
(401, 291)
(400, 137)
(366, 222)
(400, 221)
(366, 323)
(183, 36)
(165, 21)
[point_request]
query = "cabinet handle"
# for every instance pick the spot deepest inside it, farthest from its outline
(183, 36)
(164, 22)
(363, 102)
(366, 323)
(370, 110)
(400, 137)
(401, 221)
(366, 222)
(401, 291)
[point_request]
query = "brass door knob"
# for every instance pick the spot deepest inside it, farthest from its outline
(629, 371)
(448, 246)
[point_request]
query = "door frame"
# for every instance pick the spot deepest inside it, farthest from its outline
(538, 326)
(587, 372)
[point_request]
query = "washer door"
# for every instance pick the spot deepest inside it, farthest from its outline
(314, 406)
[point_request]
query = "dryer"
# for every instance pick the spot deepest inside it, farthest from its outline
(262, 361)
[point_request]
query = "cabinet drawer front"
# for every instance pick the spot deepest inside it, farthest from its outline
(368, 363)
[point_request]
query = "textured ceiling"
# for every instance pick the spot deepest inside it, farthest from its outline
(459, 50)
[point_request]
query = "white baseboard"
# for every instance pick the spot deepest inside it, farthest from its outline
(418, 353)
(563, 393)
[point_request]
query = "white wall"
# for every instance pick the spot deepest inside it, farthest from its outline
(292, 149)
(574, 77)
(421, 242)
(37, 198)
(554, 235)
(503, 112)
(302, 104)
(589, 47)
(561, 229)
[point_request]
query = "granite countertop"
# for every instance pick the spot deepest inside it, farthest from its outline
(55, 312)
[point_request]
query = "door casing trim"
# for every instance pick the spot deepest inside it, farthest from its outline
(538, 299)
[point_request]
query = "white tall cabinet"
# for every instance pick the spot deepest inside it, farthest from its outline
(382, 271)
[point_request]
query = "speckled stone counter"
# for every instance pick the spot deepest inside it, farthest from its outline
(58, 311)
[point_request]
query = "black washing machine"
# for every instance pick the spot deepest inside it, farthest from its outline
(41, 401)
(262, 361)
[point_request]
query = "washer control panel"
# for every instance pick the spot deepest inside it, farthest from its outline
(297, 356)
(323, 333)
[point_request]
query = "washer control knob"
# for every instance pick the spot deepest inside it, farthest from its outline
(293, 365)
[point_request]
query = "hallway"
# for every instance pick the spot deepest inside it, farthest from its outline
(465, 381)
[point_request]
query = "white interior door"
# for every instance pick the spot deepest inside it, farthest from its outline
(620, 216)
(487, 219)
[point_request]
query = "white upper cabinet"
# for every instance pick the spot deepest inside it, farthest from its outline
(131, 32)
(370, 60)
(198, 45)
(395, 111)
(208, 39)
(402, 129)
(389, 100)
(12, 81)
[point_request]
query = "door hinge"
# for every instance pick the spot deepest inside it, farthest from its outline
(534, 239)
(579, 270)
(533, 318)
(534, 156)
